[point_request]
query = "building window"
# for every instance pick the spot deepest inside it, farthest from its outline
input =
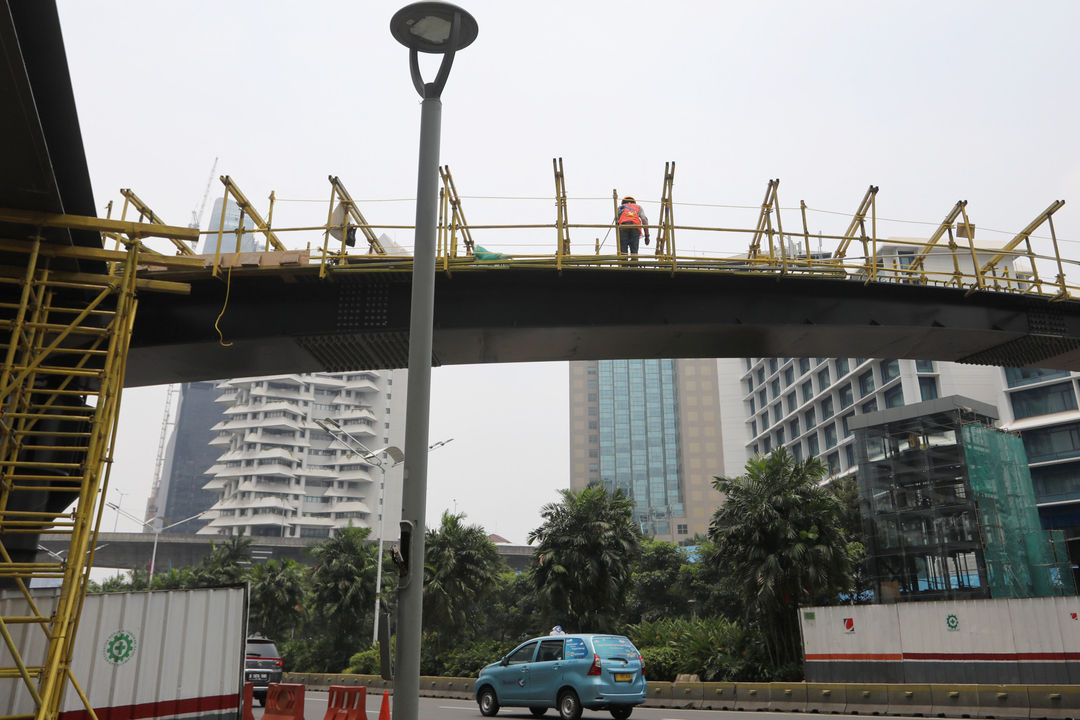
(1052, 443)
(1043, 400)
(772, 365)
(869, 406)
(1022, 376)
(842, 367)
(682, 530)
(791, 402)
(812, 446)
(844, 421)
(926, 366)
(894, 397)
(826, 408)
(592, 425)
(775, 387)
(830, 435)
(592, 397)
(833, 462)
(804, 365)
(762, 397)
(796, 452)
(811, 418)
(780, 437)
(849, 453)
(866, 383)
(928, 388)
(846, 397)
(823, 380)
(793, 427)
(789, 376)
(753, 428)
(889, 369)
(766, 444)
(807, 391)
(761, 376)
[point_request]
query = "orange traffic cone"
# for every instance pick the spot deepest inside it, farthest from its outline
(384, 711)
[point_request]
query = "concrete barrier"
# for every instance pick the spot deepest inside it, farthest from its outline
(826, 697)
(867, 698)
(659, 694)
(1003, 701)
(687, 695)
(717, 696)
(1054, 701)
(787, 697)
(955, 700)
(910, 699)
(752, 696)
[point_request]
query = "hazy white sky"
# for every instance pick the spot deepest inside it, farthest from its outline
(933, 102)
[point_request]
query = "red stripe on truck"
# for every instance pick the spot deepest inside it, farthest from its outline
(158, 708)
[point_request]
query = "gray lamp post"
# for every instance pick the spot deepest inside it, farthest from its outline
(442, 29)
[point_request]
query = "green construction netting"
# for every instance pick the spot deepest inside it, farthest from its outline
(1022, 559)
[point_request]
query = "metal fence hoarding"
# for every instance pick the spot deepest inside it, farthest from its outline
(142, 655)
(1020, 641)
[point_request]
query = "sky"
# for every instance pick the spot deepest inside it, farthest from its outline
(932, 102)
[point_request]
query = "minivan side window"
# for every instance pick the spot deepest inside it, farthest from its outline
(523, 654)
(549, 650)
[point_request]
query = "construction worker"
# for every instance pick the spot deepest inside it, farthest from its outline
(631, 220)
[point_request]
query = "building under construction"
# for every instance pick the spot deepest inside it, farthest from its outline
(948, 508)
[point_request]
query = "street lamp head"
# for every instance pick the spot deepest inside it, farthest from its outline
(429, 27)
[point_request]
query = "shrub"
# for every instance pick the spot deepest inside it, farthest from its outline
(365, 662)
(661, 662)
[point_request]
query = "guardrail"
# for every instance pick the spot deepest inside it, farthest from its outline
(1004, 702)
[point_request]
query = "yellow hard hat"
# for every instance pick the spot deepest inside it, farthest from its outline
(629, 198)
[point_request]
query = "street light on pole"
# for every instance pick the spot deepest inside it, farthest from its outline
(157, 531)
(335, 431)
(442, 29)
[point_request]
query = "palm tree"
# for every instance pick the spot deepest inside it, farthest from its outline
(277, 592)
(583, 562)
(342, 587)
(226, 564)
(461, 567)
(779, 538)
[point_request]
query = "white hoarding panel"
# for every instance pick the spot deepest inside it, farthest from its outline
(146, 655)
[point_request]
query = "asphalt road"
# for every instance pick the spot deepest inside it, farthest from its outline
(451, 709)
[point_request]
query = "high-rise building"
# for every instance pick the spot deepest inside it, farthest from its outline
(180, 494)
(807, 404)
(1041, 405)
(280, 474)
(653, 429)
(249, 242)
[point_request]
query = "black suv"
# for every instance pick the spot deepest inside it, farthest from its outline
(262, 666)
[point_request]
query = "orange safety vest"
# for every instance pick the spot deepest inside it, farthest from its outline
(630, 213)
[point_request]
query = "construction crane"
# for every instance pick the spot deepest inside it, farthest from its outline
(153, 509)
(197, 215)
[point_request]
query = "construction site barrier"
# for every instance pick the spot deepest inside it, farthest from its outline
(284, 701)
(955, 700)
(788, 697)
(248, 699)
(1054, 701)
(910, 699)
(1007, 702)
(826, 698)
(717, 696)
(659, 694)
(346, 703)
(866, 698)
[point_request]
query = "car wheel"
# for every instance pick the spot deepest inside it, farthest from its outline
(621, 712)
(569, 705)
(489, 704)
(538, 711)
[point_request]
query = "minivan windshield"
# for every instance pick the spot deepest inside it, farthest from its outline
(615, 646)
(261, 648)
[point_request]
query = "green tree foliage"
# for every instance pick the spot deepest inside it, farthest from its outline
(657, 589)
(226, 564)
(584, 558)
(277, 594)
(342, 595)
(779, 538)
(461, 569)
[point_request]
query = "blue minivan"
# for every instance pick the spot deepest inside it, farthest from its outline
(566, 672)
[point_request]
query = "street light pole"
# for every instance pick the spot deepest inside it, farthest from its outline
(439, 28)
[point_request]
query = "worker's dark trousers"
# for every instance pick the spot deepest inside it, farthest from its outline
(629, 235)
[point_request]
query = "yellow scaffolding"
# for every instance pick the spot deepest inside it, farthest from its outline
(67, 315)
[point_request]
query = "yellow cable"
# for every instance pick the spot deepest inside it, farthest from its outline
(228, 286)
